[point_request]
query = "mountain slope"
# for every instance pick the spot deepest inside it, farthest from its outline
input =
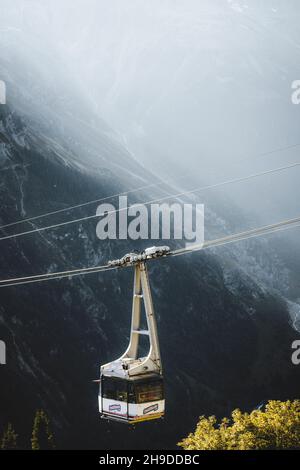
(221, 348)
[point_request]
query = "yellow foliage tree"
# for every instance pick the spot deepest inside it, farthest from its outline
(275, 427)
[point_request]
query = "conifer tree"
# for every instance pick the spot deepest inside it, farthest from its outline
(9, 438)
(42, 437)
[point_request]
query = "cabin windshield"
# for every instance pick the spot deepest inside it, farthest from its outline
(132, 391)
(114, 389)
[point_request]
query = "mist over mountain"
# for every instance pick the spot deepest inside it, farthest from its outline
(92, 112)
(201, 89)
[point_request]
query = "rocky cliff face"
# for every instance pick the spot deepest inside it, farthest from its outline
(225, 331)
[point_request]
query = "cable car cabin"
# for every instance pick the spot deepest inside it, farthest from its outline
(132, 400)
(131, 387)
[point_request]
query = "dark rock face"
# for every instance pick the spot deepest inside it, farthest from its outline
(225, 343)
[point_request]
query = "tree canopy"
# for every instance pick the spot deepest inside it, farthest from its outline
(277, 426)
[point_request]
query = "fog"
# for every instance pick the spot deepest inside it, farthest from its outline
(191, 87)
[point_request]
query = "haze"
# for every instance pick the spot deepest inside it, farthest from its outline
(201, 88)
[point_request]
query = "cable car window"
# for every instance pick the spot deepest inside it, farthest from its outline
(147, 392)
(114, 389)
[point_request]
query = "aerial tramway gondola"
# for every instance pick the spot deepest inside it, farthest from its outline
(131, 387)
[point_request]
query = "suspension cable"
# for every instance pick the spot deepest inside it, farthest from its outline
(165, 198)
(253, 233)
(147, 186)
